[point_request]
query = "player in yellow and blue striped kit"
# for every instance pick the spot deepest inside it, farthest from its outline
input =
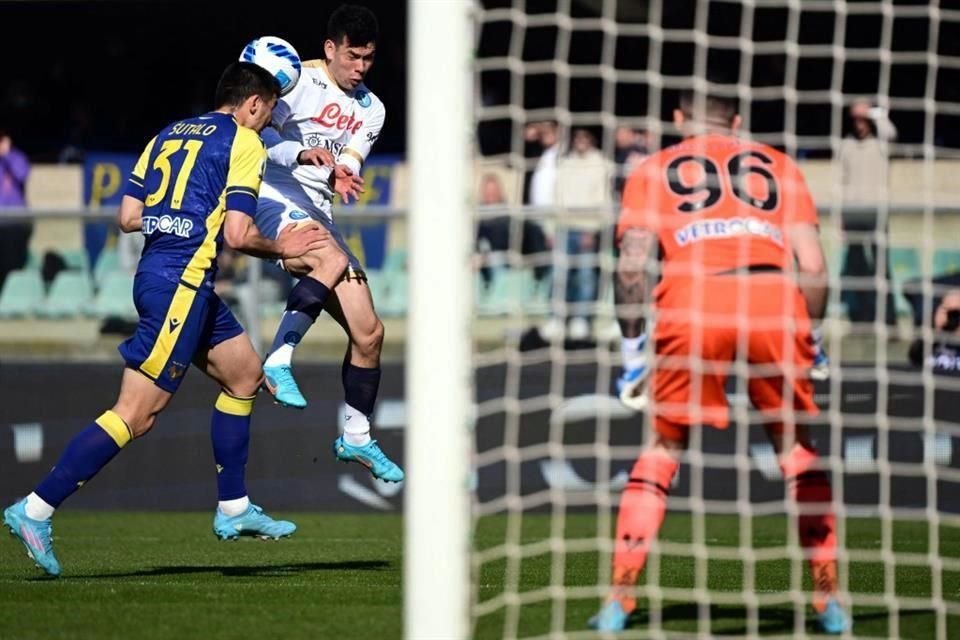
(194, 187)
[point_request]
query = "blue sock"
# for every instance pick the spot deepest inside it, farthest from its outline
(230, 434)
(88, 452)
(360, 386)
(304, 305)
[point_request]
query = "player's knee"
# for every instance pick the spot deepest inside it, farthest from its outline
(339, 261)
(140, 425)
(246, 379)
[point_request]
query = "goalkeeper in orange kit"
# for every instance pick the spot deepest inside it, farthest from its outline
(742, 278)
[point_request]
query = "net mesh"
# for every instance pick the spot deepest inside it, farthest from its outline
(554, 445)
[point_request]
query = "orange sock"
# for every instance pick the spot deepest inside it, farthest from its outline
(642, 509)
(818, 531)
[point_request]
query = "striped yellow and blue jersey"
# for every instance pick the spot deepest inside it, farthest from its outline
(188, 177)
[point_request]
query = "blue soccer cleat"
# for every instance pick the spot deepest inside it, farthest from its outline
(611, 618)
(833, 619)
(280, 383)
(252, 522)
(371, 456)
(36, 536)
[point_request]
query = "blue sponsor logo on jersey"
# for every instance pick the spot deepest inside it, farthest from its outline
(167, 224)
(299, 215)
(363, 98)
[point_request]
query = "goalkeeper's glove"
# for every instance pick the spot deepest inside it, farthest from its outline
(821, 363)
(631, 385)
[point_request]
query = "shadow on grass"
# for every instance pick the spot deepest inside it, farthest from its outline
(258, 571)
(770, 620)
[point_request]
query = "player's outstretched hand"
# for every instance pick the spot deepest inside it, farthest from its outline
(346, 184)
(298, 239)
(316, 156)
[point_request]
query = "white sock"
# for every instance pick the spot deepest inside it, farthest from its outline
(356, 428)
(37, 508)
(631, 350)
(232, 508)
(282, 356)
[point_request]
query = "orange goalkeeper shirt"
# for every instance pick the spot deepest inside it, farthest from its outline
(717, 203)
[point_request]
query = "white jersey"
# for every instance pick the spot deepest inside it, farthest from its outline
(318, 113)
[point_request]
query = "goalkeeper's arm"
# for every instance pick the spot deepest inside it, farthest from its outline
(811, 267)
(637, 245)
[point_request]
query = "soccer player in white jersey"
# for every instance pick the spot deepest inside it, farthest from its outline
(329, 116)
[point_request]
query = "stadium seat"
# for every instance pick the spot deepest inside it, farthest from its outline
(75, 259)
(377, 282)
(22, 292)
(395, 261)
(946, 261)
(508, 290)
(69, 296)
(904, 267)
(107, 262)
(397, 287)
(115, 297)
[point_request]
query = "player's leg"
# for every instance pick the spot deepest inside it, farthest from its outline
(233, 363)
(351, 305)
(643, 506)
(85, 455)
(157, 356)
(780, 389)
(681, 398)
(809, 486)
(319, 271)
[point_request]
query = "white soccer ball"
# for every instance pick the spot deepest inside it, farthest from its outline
(277, 56)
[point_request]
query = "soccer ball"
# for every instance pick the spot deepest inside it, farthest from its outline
(276, 56)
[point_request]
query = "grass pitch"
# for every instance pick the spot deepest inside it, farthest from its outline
(164, 575)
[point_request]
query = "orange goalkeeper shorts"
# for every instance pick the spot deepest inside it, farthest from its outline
(710, 327)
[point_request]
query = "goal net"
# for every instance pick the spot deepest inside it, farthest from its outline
(553, 444)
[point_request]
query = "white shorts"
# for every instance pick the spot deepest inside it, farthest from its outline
(276, 211)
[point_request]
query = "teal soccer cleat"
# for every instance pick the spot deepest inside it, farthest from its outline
(371, 456)
(36, 536)
(252, 522)
(834, 620)
(612, 617)
(280, 383)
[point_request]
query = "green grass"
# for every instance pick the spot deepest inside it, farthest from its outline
(164, 575)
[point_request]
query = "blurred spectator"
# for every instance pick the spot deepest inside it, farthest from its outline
(944, 358)
(494, 234)
(630, 147)
(864, 158)
(14, 235)
(544, 178)
(583, 185)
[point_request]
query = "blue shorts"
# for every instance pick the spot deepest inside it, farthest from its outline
(176, 323)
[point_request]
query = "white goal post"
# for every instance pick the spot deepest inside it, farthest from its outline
(436, 508)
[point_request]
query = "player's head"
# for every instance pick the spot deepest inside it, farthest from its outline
(351, 44)
(248, 92)
(703, 111)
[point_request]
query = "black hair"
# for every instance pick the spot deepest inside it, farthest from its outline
(355, 23)
(240, 80)
(716, 106)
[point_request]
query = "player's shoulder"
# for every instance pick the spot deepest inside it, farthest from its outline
(248, 139)
(368, 100)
